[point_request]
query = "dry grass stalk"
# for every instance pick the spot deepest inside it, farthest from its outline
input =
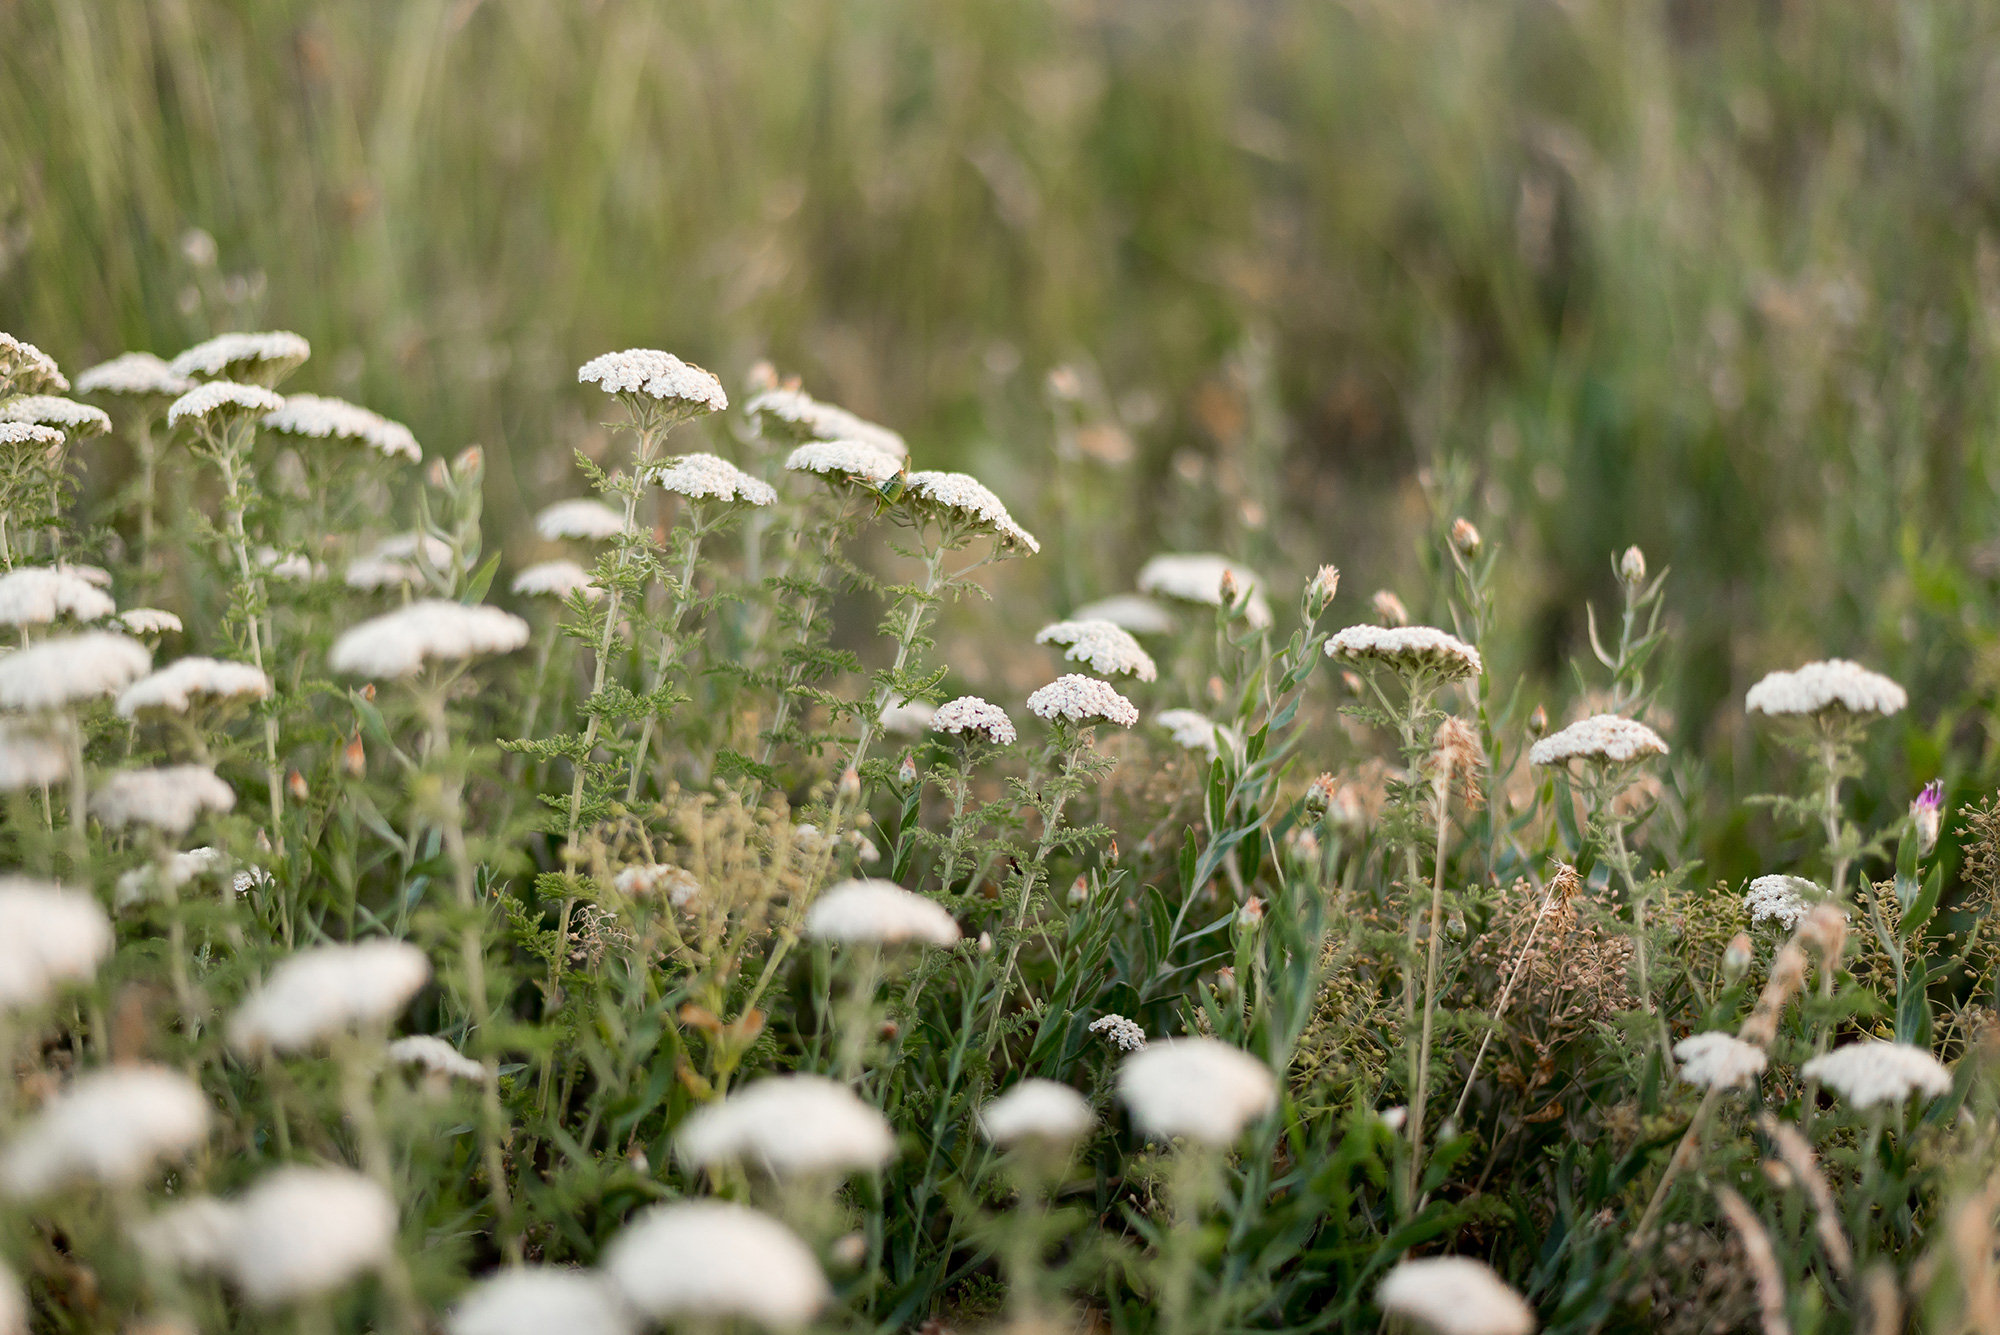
(1798, 1155)
(1763, 1259)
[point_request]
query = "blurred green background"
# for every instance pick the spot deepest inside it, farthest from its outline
(1717, 278)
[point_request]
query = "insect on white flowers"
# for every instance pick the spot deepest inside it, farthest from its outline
(879, 911)
(301, 1232)
(1819, 688)
(1717, 1060)
(323, 991)
(971, 716)
(49, 935)
(789, 1125)
(1195, 1087)
(1407, 649)
(587, 520)
(176, 687)
(1081, 699)
(1102, 646)
(111, 1126)
(536, 1300)
(711, 1260)
(963, 498)
(1199, 578)
(71, 668)
(709, 477)
(321, 418)
(170, 798)
(1036, 1109)
(1605, 737)
(1876, 1071)
(1454, 1295)
(402, 642)
(38, 595)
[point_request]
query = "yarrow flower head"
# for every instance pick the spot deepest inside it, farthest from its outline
(1200, 1088)
(879, 911)
(301, 1232)
(789, 1125)
(971, 716)
(1119, 1032)
(1454, 1295)
(1132, 612)
(966, 498)
(38, 595)
(1102, 646)
(656, 375)
(139, 374)
(1082, 699)
(78, 421)
(176, 687)
(1037, 1109)
(111, 1126)
(1717, 1060)
(170, 798)
(1820, 688)
(219, 399)
(907, 718)
(141, 883)
(149, 621)
(49, 935)
(1927, 816)
(435, 1056)
(1606, 737)
(400, 643)
(536, 1300)
(677, 885)
(26, 369)
(16, 435)
(76, 667)
(1199, 578)
(266, 356)
(592, 521)
(711, 1260)
(1195, 731)
(323, 418)
(1407, 649)
(707, 476)
(1780, 899)
(30, 758)
(799, 415)
(1877, 1071)
(846, 461)
(326, 990)
(557, 579)
(293, 566)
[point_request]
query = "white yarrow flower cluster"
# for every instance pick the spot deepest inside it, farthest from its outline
(401, 642)
(321, 418)
(1600, 737)
(907, 718)
(29, 433)
(111, 1127)
(134, 373)
(1454, 1295)
(435, 1056)
(852, 460)
(326, 990)
(176, 687)
(38, 595)
(1102, 646)
(1877, 1071)
(676, 885)
(1037, 1109)
(76, 667)
(805, 416)
(1819, 687)
(1198, 578)
(557, 579)
(277, 348)
(879, 911)
(1196, 731)
(1195, 1087)
(76, 420)
(1717, 1060)
(969, 498)
(657, 375)
(589, 520)
(49, 935)
(395, 561)
(301, 1232)
(1079, 699)
(149, 621)
(170, 798)
(1780, 899)
(30, 758)
(1407, 649)
(711, 1260)
(1119, 1032)
(1130, 611)
(708, 476)
(199, 403)
(970, 715)
(140, 883)
(539, 1300)
(789, 1125)
(293, 566)
(26, 368)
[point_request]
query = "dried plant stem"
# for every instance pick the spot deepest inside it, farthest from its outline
(358, 1059)
(1506, 995)
(1420, 1092)
(1685, 1153)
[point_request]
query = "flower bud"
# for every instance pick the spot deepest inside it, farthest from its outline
(295, 784)
(850, 1250)
(1319, 593)
(354, 758)
(1319, 796)
(469, 462)
(1229, 589)
(1538, 722)
(1215, 690)
(1303, 845)
(1632, 567)
(1079, 890)
(1465, 538)
(906, 772)
(1352, 683)
(1252, 912)
(986, 943)
(1389, 609)
(1927, 814)
(436, 474)
(850, 784)
(1736, 959)
(1225, 980)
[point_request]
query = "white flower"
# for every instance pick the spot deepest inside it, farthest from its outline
(175, 686)
(30, 758)
(1197, 732)
(1078, 698)
(13, 1304)
(277, 350)
(1036, 1109)
(808, 418)
(539, 1300)
(881, 911)
(435, 1056)
(1781, 899)
(394, 561)
(1716, 1060)
(293, 566)
(1877, 1071)
(706, 475)
(133, 373)
(111, 1126)
(203, 400)
(789, 1125)
(139, 883)
(1198, 579)
(1407, 649)
(25, 367)
(149, 621)
(76, 667)
(907, 719)
(320, 418)
(37, 595)
(970, 499)
(1195, 1087)
(171, 798)
(322, 991)
(77, 420)
(93, 575)
(970, 714)
(400, 643)
(25, 433)
(710, 1260)
(1818, 687)
(1133, 611)
(849, 460)
(557, 579)
(48, 935)
(196, 1233)
(1599, 737)
(301, 1232)
(1120, 1033)
(658, 375)
(1454, 1295)
(1103, 646)
(677, 883)
(590, 520)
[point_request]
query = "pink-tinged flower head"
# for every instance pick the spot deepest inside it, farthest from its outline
(1927, 812)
